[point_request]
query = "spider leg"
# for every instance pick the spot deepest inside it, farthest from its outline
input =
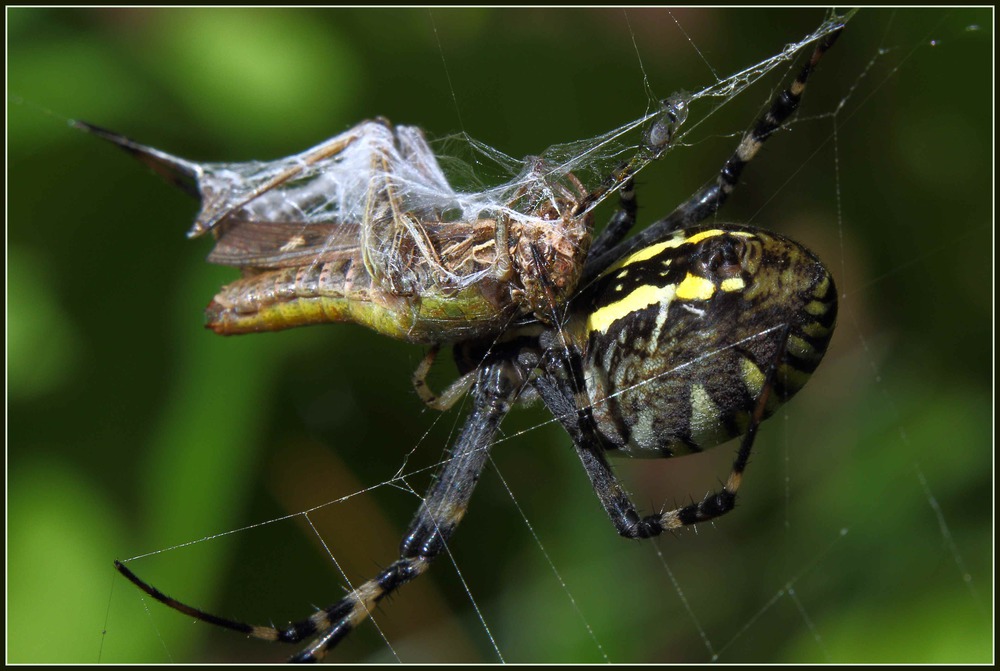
(496, 388)
(621, 223)
(559, 392)
(707, 201)
(437, 518)
(721, 502)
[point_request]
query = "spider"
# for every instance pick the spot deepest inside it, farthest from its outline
(679, 338)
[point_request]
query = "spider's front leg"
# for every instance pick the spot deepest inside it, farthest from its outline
(618, 227)
(707, 201)
(437, 518)
(496, 388)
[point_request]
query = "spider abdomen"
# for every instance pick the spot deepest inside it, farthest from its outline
(679, 336)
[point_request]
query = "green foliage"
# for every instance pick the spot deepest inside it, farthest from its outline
(131, 429)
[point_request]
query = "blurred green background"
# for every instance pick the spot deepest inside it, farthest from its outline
(864, 532)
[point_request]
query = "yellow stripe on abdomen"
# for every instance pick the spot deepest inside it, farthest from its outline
(639, 299)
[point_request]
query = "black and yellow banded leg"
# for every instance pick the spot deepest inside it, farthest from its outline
(620, 224)
(431, 528)
(721, 502)
(558, 391)
(562, 391)
(707, 201)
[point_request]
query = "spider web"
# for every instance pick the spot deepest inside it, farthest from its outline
(823, 559)
(791, 595)
(341, 187)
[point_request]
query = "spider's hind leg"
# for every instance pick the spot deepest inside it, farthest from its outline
(564, 394)
(721, 502)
